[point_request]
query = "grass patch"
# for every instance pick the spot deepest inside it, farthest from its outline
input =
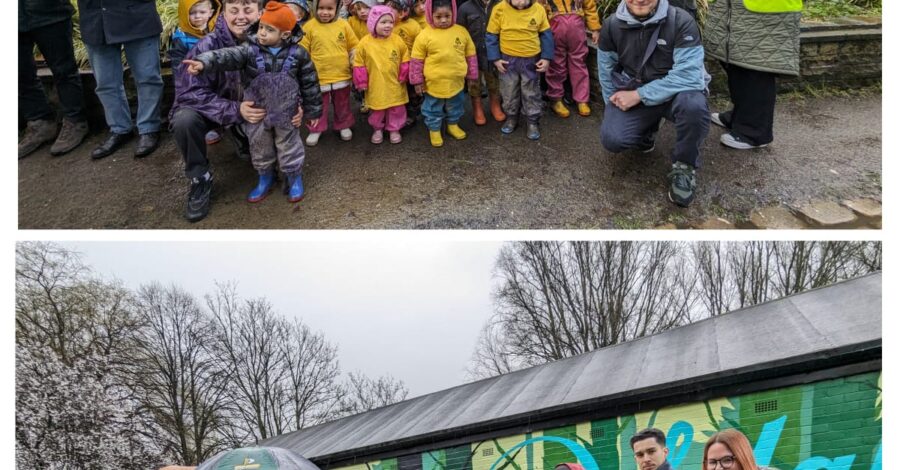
(818, 10)
(830, 91)
(627, 222)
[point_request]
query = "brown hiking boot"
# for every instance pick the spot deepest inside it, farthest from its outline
(70, 136)
(37, 133)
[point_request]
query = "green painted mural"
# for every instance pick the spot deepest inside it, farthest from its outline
(829, 425)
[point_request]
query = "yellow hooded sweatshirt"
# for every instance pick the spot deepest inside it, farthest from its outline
(184, 20)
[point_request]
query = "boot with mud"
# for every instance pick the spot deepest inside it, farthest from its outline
(509, 125)
(455, 131)
(496, 108)
(478, 111)
(263, 188)
(436, 139)
(37, 133)
(70, 136)
(560, 109)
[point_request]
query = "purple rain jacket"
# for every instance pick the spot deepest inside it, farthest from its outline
(216, 96)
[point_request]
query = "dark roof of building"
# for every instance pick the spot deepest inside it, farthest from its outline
(818, 329)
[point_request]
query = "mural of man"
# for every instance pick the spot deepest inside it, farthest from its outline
(650, 451)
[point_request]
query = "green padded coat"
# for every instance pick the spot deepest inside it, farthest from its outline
(768, 42)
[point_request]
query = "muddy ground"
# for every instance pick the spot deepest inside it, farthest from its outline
(825, 148)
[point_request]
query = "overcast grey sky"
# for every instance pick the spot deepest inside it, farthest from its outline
(409, 309)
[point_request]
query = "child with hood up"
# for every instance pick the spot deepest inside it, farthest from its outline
(359, 15)
(196, 18)
(330, 41)
(381, 69)
(300, 8)
(520, 45)
(275, 73)
(418, 13)
(443, 58)
(408, 29)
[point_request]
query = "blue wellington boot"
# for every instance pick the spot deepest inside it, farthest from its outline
(263, 188)
(295, 188)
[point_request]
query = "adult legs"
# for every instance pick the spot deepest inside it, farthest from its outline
(107, 64)
(55, 43)
(33, 102)
(143, 58)
(690, 113)
(753, 95)
(189, 128)
(629, 130)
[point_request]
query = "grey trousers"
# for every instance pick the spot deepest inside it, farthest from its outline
(271, 144)
(520, 88)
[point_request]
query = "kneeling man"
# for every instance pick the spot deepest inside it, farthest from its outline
(650, 64)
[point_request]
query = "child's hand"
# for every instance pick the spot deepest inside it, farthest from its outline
(420, 89)
(297, 120)
(312, 122)
(595, 37)
(542, 65)
(194, 67)
(501, 65)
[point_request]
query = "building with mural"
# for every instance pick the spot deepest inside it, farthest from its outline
(800, 376)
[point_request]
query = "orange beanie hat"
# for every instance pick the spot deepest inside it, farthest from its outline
(279, 15)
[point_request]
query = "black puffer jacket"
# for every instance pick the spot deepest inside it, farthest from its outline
(117, 21)
(36, 13)
(243, 58)
(473, 15)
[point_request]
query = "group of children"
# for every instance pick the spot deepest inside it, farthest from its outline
(404, 59)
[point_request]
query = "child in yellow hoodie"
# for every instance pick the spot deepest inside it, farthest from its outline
(408, 29)
(330, 41)
(196, 18)
(381, 69)
(443, 58)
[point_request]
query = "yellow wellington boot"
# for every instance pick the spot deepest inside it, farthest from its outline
(436, 139)
(456, 132)
(560, 109)
(584, 109)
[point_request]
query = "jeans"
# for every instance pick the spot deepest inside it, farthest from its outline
(635, 128)
(143, 58)
(55, 43)
(434, 110)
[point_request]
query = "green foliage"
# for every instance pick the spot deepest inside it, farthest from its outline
(822, 9)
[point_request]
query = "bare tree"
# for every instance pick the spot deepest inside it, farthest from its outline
(283, 376)
(364, 393)
(180, 381)
(558, 299)
(716, 288)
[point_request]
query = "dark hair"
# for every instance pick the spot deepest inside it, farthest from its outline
(435, 4)
(648, 433)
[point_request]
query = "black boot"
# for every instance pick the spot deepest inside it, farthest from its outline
(146, 144)
(110, 145)
(198, 198)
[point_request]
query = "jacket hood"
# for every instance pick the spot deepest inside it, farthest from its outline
(377, 12)
(303, 4)
(662, 10)
(184, 20)
(368, 3)
(428, 12)
(296, 33)
(223, 34)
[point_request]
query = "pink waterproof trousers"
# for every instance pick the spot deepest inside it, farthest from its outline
(343, 116)
(570, 50)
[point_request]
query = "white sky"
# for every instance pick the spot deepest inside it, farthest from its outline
(409, 309)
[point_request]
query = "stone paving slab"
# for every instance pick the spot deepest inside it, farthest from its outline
(864, 207)
(826, 214)
(777, 217)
